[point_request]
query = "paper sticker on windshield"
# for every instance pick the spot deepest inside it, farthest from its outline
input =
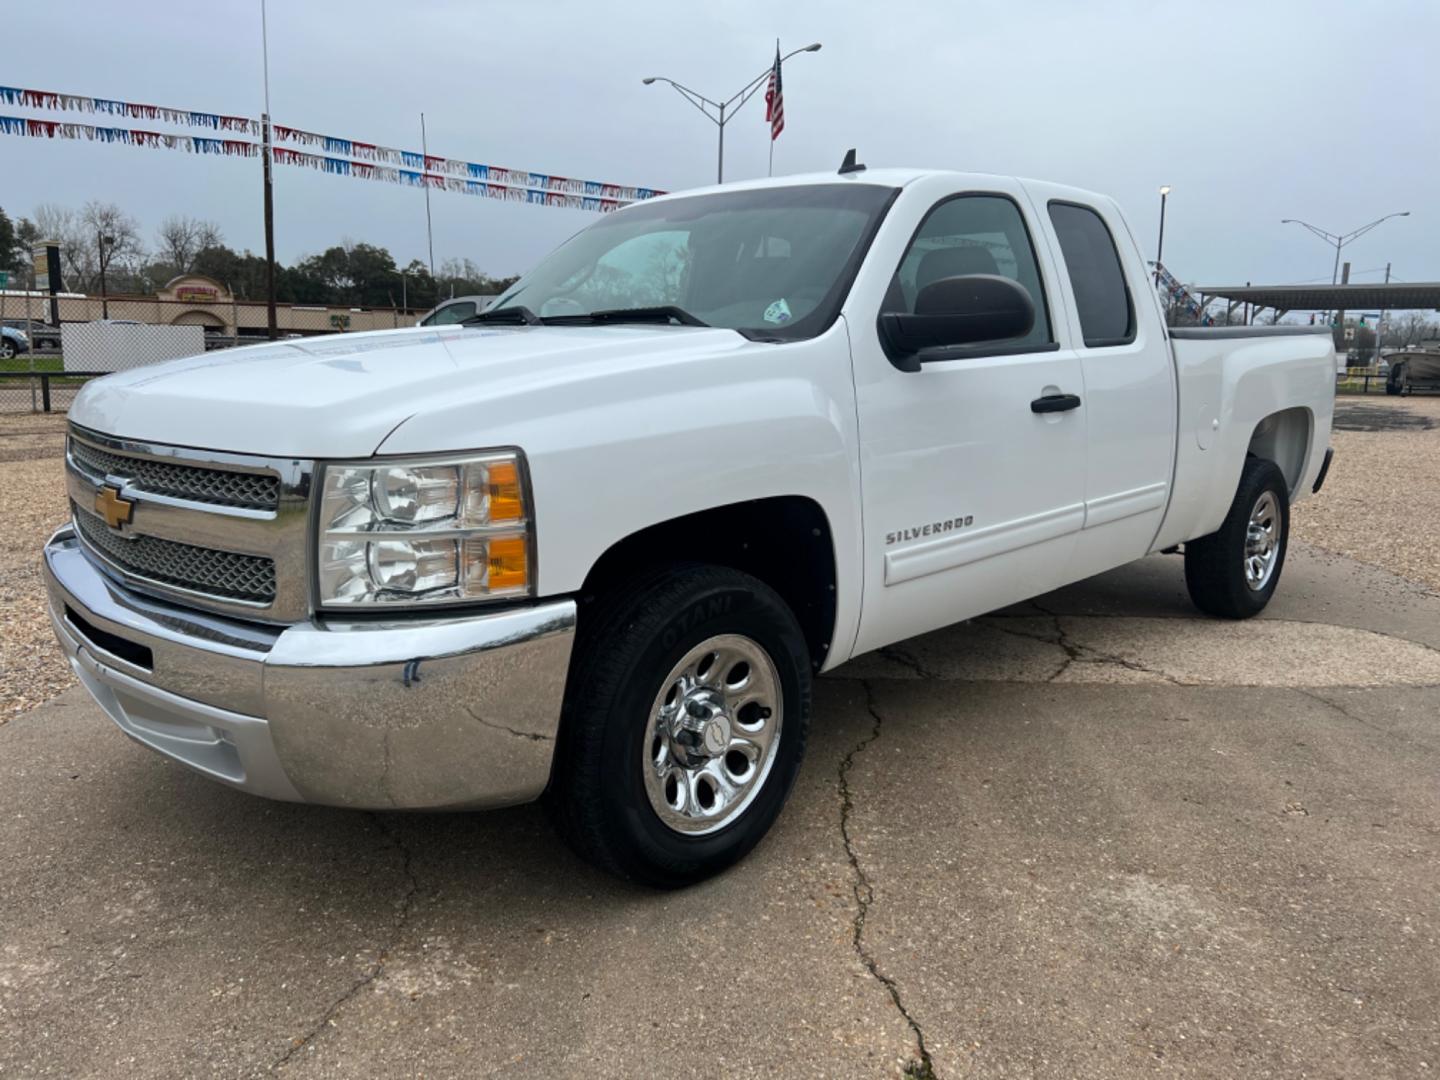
(778, 312)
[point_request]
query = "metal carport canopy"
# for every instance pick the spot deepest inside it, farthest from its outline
(1394, 296)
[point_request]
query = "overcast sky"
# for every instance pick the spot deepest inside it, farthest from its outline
(1252, 111)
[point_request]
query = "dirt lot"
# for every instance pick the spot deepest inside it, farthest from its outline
(31, 452)
(1379, 506)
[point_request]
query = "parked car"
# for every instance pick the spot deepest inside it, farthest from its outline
(13, 342)
(597, 545)
(41, 335)
(455, 310)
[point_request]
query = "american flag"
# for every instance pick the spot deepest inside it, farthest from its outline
(775, 100)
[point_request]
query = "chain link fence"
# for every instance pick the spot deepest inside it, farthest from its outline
(44, 362)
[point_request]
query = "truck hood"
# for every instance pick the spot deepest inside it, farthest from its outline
(340, 396)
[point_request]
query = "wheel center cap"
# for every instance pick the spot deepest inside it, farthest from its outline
(702, 726)
(717, 736)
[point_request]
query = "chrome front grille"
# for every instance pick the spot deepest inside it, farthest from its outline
(218, 487)
(226, 574)
(225, 532)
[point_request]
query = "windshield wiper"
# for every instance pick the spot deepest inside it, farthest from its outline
(661, 313)
(510, 315)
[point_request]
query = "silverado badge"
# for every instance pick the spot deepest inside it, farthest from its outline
(114, 508)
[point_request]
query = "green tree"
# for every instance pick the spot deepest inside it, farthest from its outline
(9, 242)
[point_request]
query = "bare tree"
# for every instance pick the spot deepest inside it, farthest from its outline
(100, 231)
(116, 237)
(181, 239)
(59, 225)
(1409, 328)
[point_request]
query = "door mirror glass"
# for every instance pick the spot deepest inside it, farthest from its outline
(961, 310)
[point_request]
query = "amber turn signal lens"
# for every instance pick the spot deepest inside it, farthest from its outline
(503, 483)
(509, 563)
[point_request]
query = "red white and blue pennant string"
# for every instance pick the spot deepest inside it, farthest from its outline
(196, 144)
(341, 157)
(45, 99)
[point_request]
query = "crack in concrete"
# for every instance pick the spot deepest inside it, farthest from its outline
(1079, 653)
(864, 893)
(403, 909)
(501, 727)
(897, 655)
(1343, 711)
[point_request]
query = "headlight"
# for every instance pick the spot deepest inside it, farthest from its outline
(423, 532)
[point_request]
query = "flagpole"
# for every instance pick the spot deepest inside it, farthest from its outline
(272, 329)
(770, 168)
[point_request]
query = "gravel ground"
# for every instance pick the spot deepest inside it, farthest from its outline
(1381, 502)
(31, 453)
(1380, 505)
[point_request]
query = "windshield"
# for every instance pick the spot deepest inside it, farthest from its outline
(771, 262)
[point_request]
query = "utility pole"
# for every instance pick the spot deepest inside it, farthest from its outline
(1340, 314)
(425, 179)
(1380, 322)
(102, 242)
(272, 326)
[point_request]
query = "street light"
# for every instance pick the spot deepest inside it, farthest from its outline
(1160, 247)
(724, 110)
(1341, 239)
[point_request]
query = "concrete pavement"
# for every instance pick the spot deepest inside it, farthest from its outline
(1096, 835)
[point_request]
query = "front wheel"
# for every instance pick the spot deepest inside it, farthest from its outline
(7, 349)
(1233, 572)
(685, 723)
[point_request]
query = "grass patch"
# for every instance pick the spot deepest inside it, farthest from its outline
(42, 363)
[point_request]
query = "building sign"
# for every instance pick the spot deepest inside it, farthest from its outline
(197, 294)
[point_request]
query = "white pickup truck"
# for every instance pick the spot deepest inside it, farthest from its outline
(595, 544)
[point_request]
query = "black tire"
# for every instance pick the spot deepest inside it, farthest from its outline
(7, 349)
(630, 640)
(1215, 565)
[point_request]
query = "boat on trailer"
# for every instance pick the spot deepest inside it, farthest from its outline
(1416, 368)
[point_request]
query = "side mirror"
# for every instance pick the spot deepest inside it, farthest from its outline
(957, 311)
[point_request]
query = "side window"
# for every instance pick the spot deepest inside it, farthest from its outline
(971, 234)
(451, 313)
(1102, 296)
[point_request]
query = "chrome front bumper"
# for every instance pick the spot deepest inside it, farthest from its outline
(416, 714)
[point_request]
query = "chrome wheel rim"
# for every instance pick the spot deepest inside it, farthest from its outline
(1262, 541)
(712, 736)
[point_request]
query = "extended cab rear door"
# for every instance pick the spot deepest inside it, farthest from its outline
(972, 499)
(1127, 372)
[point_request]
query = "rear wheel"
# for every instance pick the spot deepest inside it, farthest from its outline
(685, 723)
(1233, 572)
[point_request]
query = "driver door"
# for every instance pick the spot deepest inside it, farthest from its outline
(972, 499)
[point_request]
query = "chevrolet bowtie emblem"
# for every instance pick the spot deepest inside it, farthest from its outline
(112, 507)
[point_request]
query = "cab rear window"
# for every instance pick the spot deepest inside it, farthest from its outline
(1102, 295)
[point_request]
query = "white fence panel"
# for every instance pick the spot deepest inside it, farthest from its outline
(114, 346)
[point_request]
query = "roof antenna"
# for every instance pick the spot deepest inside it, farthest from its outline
(850, 165)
